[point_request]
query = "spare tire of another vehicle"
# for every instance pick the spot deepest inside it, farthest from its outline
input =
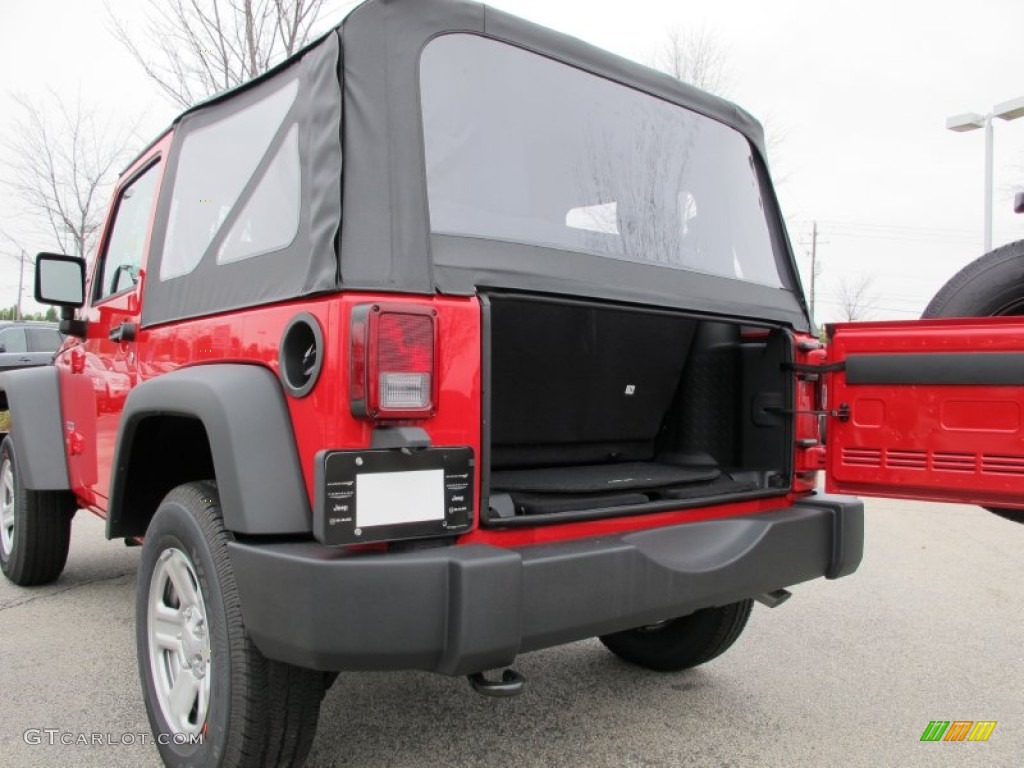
(990, 286)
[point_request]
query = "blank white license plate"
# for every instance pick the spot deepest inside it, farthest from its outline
(391, 498)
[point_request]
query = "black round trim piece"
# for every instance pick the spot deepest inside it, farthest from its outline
(298, 373)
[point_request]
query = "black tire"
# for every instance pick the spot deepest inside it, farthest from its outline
(990, 286)
(258, 712)
(1016, 515)
(684, 642)
(36, 526)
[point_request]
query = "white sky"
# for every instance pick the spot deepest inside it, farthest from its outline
(857, 91)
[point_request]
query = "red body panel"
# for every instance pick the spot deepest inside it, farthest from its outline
(322, 420)
(939, 442)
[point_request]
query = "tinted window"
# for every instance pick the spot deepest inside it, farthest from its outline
(214, 166)
(13, 340)
(524, 149)
(44, 339)
(123, 257)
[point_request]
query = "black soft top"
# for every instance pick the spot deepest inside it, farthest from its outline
(360, 83)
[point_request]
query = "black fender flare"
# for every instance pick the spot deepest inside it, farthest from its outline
(32, 395)
(252, 444)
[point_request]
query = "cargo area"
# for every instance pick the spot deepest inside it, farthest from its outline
(599, 409)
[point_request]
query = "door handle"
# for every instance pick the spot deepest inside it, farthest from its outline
(24, 359)
(122, 332)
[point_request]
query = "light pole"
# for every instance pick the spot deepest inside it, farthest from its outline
(969, 121)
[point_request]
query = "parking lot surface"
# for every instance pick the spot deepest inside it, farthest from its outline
(844, 674)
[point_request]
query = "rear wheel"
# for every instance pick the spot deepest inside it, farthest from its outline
(35, 526)
(212, 698)
(990, 286)
(684, 642)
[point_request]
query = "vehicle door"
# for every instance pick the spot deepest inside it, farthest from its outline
(98, 372)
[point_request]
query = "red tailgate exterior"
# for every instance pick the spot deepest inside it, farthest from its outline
(930, 410)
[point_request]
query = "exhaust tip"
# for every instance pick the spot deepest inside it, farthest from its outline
(510, 684)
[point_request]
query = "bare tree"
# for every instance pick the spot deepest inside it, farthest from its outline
(64, 162)
(193, 49)
(698, 57)
(695, 56)
(854, 298)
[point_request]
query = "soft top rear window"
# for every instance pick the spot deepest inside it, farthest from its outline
(524, 149)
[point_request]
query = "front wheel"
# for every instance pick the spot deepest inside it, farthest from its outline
(684, 642)
(212, 698)
(35, 526)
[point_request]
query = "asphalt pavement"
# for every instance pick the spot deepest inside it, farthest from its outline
(846, 673)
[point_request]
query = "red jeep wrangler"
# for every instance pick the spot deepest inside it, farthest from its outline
(453, 338)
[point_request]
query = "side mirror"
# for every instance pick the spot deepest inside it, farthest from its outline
(60, 280)
(1018, 203)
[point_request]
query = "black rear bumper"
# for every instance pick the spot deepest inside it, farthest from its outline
(463, 609)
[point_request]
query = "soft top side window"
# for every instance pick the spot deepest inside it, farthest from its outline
(216, 165)
(250, 208)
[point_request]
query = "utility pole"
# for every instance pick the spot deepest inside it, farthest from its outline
(21, 282)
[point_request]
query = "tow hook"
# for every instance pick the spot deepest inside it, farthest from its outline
(774, 599)
(510, 684)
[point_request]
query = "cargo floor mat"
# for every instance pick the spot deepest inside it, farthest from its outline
(720, 487)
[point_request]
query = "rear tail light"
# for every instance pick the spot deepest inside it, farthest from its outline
(393, 362)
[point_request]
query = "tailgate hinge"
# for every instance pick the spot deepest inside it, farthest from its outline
(842, 412)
